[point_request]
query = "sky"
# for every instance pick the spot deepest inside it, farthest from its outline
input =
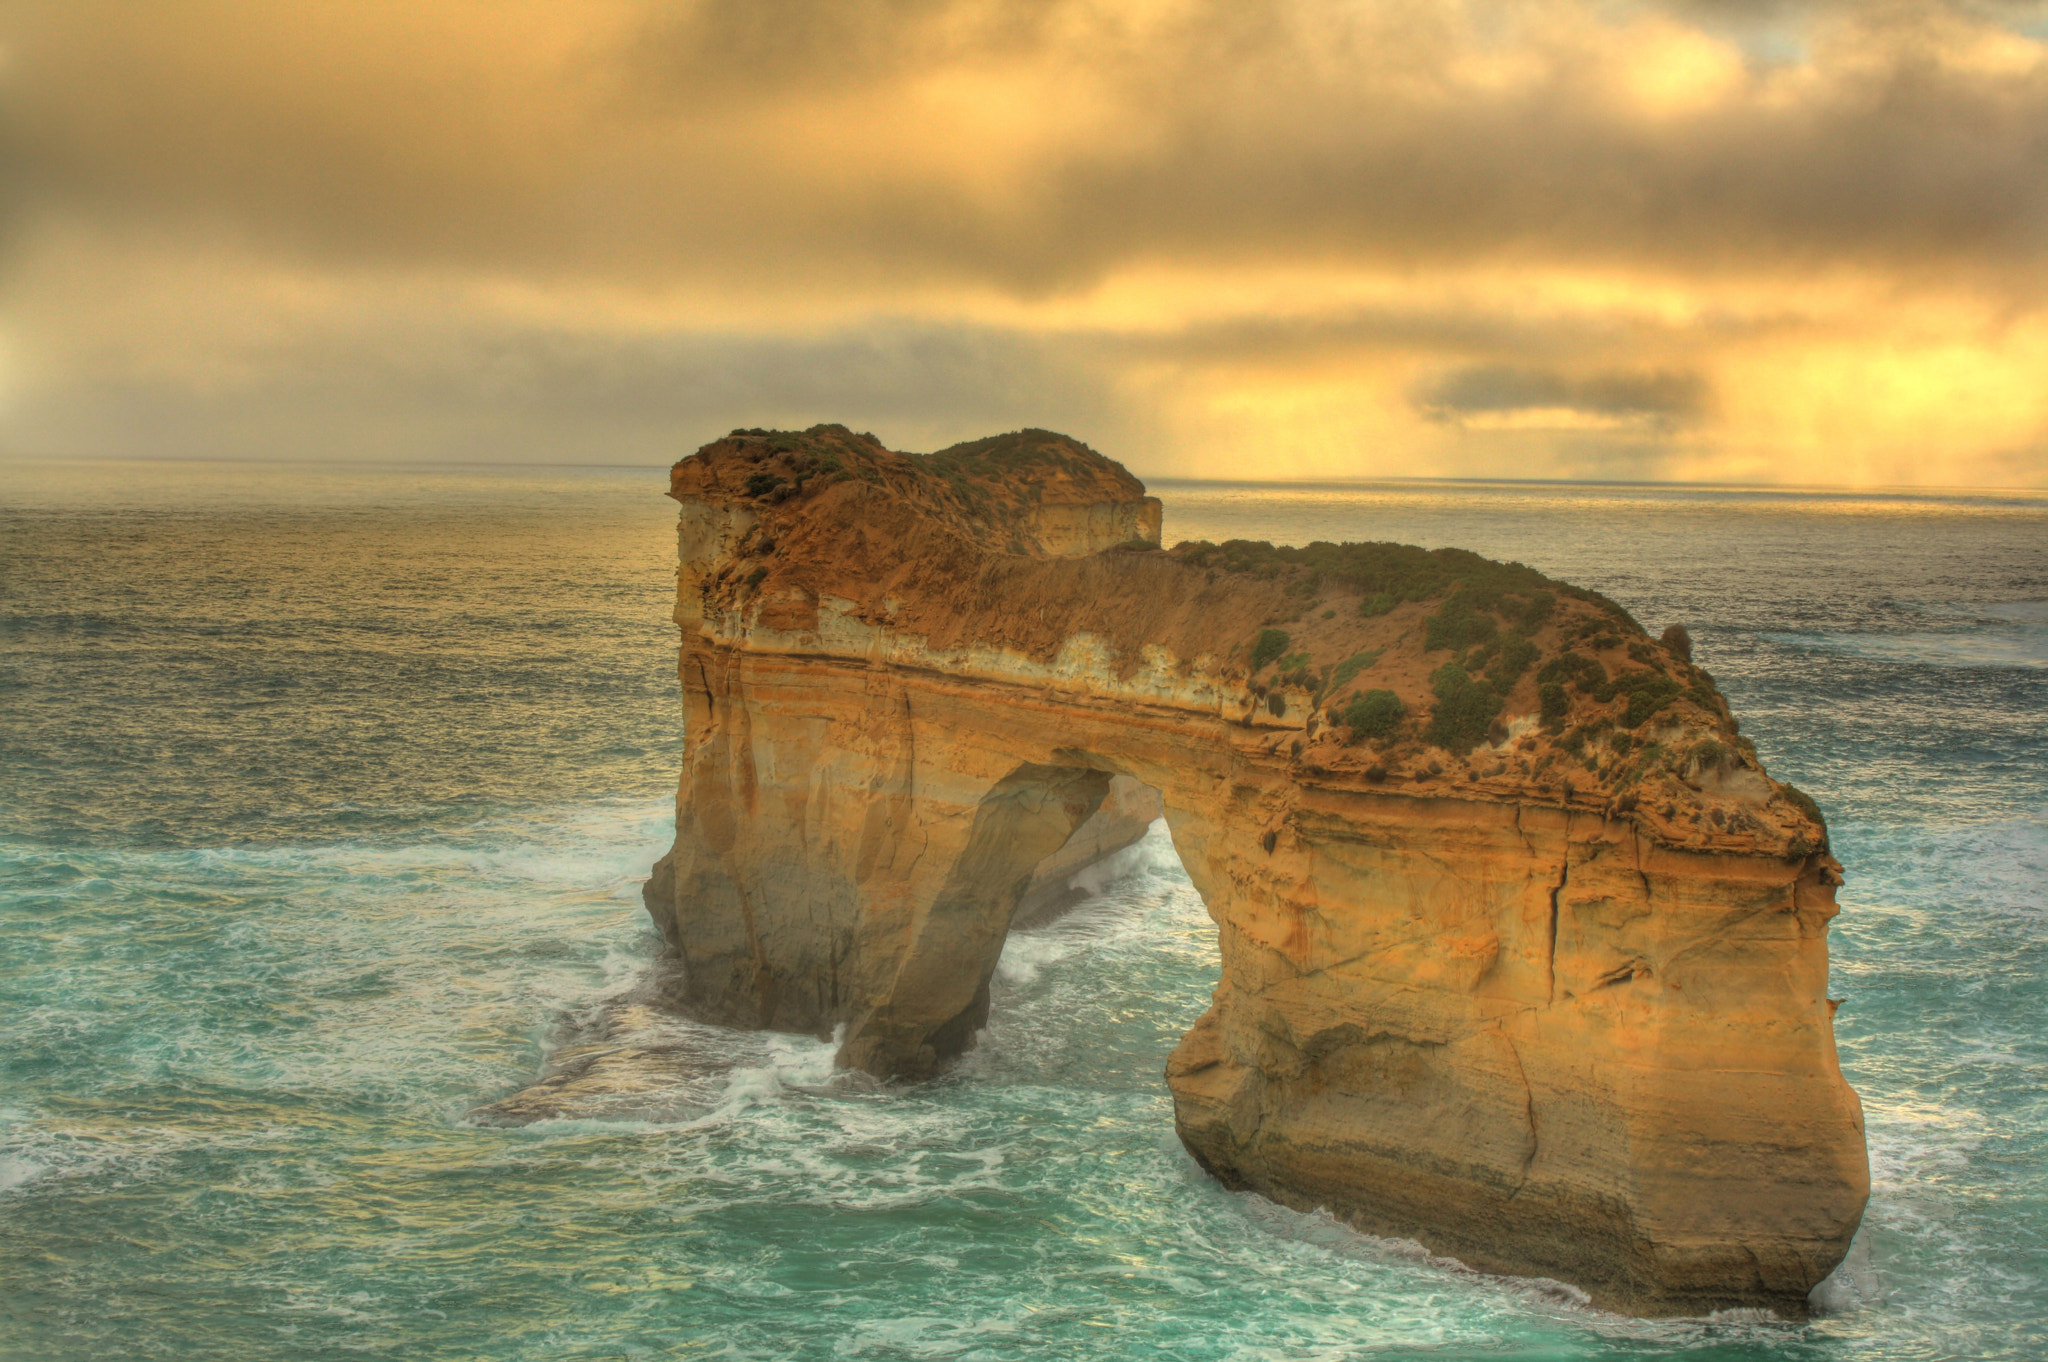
(1702, 240)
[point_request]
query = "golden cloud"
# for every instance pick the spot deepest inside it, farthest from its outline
(1761, 241)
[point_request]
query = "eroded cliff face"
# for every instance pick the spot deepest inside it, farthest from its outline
(1524, 956)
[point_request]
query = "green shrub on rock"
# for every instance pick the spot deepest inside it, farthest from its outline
(1803, 802)
(1270, 644)
(1702, 691)
(1516, 653)
(1575, 668)
(1350, 667)
(1648, 692)
(1464, 709)
(1373, 714)
(1457, 624)
(1384, 575)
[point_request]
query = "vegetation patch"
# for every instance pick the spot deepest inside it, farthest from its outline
(1350, 667)
(1004, 456)
(1537, 607)
(1516, 653)
(1600, 632)
(1703, 692)
(1384, 575)
(1464, 709)
(1458, 626)
(1648, 692)
(1268, 646)
(1803, 802)
(1374, 714)
(1576, 669)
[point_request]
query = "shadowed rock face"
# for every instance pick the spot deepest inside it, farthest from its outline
(1523, 954)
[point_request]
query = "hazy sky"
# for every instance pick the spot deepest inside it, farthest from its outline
(1702, 239)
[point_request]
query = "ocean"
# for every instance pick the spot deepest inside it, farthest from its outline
(325, 797)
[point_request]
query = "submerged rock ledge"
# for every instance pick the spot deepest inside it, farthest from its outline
(1524, 955)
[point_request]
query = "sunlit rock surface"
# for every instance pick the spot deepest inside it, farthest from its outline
(1523, 954)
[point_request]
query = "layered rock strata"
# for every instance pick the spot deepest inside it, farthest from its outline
(1524, 956)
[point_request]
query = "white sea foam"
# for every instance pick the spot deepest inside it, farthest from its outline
(1143, 854)
(16, 1171)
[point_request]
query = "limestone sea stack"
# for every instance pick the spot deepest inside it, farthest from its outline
(1524, 955)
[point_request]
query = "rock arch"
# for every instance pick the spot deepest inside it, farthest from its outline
(1565, 1027)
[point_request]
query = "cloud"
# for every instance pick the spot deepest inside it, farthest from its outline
(1425, 235)
(476, 391)
(1038, 144)
(1504, 393)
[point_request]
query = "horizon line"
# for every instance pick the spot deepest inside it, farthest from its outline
(1337, 480)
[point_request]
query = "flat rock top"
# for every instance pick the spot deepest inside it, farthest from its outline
(1432, 672)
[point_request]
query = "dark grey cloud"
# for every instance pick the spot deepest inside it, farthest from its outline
(717, 49)
(1663, 398)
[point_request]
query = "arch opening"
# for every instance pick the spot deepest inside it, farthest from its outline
(1032, 833)
(938, 997)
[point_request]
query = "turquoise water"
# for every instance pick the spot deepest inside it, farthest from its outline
(327, 794)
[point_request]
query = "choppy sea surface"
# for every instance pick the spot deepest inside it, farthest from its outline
(325, 796)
